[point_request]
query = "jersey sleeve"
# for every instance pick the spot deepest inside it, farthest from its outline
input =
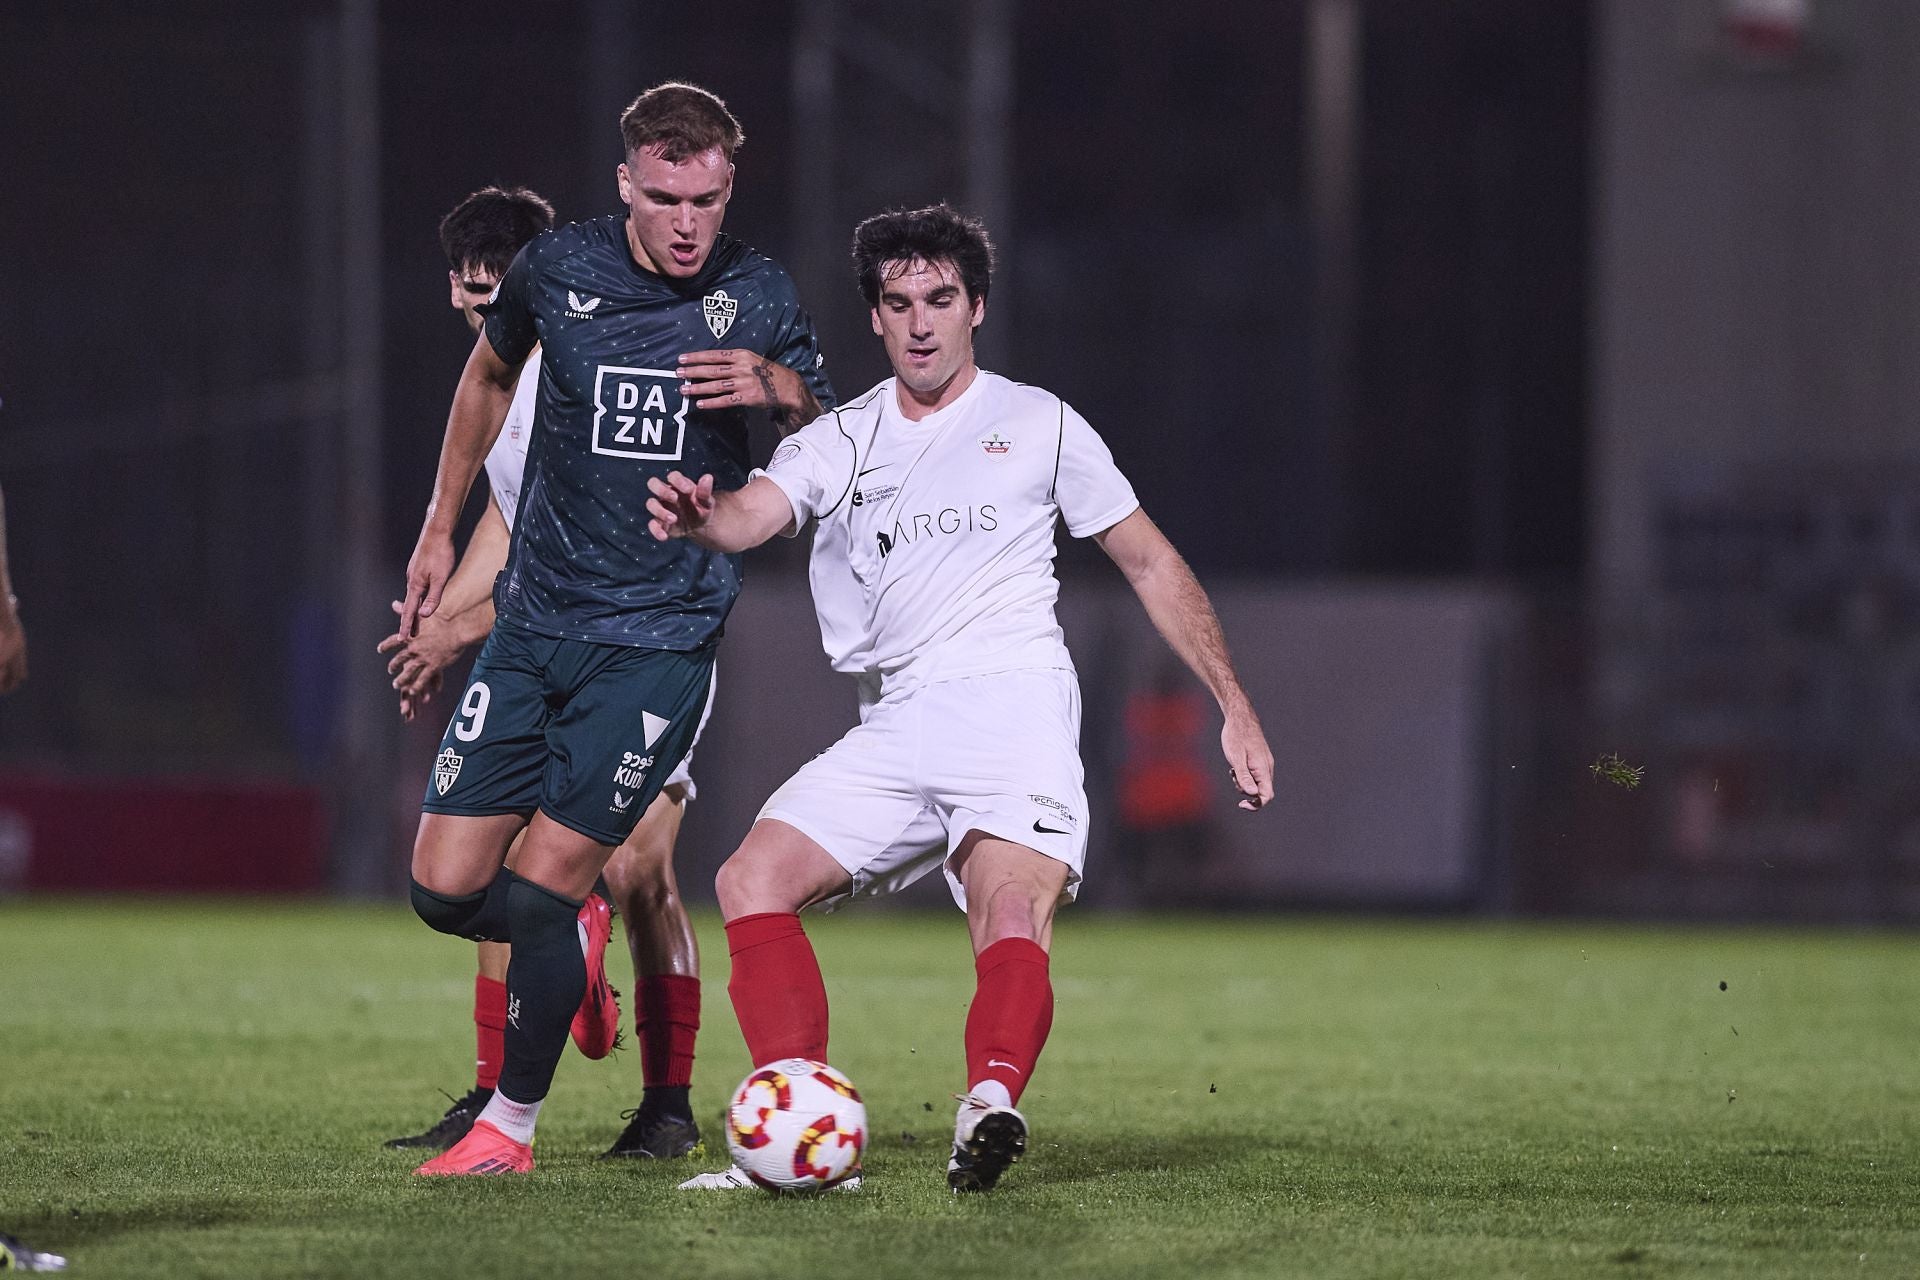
(797, 346)
(509, 312)
(814, 468)
(1089, 489)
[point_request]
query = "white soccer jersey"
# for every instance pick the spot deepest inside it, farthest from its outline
(946, 526)
(839, 605)
(507, 461)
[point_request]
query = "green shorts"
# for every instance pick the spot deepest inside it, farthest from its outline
(586, 733)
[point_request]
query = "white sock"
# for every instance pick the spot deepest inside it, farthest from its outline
(991, 1092)
(515, 1119)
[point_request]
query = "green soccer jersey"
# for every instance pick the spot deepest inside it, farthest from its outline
(611, 414)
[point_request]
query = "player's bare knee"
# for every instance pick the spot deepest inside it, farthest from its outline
(457, 855)
(740, 886)
(639, 878)
(427, 876)
(1014, 909)
(775, 869)
(729, 892)
(428, 869)
(445, 875)
(650, 899)
(559, 859)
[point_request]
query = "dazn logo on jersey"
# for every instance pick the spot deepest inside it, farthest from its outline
(638, 413)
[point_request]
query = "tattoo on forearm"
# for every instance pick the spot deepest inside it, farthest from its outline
(790, 422)
(764, 372)
(788, 418)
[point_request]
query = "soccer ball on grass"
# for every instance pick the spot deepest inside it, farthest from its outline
(797, 1125)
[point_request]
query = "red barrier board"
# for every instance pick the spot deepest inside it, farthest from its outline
(160, 835)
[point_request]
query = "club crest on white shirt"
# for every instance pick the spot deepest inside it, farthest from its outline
(996, 445)
(719, 309)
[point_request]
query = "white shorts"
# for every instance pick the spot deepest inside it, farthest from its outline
(998, 754)
(682, 775)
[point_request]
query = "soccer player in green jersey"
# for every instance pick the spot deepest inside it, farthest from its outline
(658, 333)
(481, 236)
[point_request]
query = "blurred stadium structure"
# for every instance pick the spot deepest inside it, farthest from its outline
(1531, 382)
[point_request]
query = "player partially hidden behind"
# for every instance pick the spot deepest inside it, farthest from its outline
(13, 636)
(945, 482)
(657, 335)
(481, 236)
(15, 1254)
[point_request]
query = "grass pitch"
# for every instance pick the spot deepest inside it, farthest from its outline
(201, 1089)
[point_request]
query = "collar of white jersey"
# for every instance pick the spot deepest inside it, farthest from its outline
(939, 417)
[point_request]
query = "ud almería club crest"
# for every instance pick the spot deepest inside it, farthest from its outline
(720, 309)
(446, 767)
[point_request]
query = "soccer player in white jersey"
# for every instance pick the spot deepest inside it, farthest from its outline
(942, 485)
(480, 237)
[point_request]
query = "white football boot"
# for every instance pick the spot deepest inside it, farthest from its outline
(986, 1139)
(733, 1177)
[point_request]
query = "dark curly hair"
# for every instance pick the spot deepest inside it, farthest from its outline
(938, 233)
(492, 225)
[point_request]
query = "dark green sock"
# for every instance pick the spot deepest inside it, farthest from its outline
(545, 981)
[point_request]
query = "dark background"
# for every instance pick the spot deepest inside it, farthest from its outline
(1386, 376)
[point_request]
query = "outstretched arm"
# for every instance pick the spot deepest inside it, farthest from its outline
(463, 620)
(730, 521)
(1184, 617)
(13, 637)
(480, 405)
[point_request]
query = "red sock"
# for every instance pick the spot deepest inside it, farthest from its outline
(489, 1030)
(776, 988)
(666, 1018)
(1012, 1012)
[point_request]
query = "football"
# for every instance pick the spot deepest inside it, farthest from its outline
(797, 1125)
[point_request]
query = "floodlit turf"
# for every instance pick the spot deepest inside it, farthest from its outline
(202, 1090)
